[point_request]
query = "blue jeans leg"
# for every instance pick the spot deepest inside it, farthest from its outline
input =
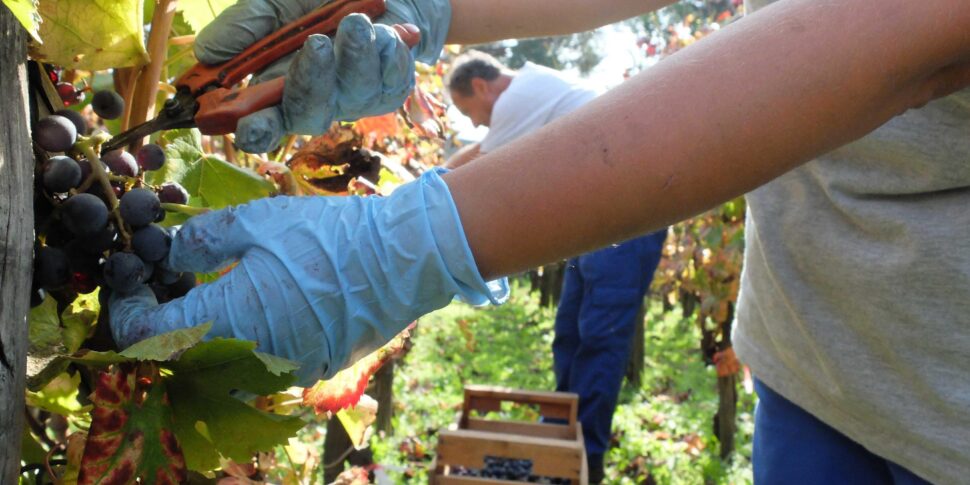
(792, 447)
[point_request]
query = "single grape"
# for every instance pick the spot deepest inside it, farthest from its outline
(101, 241)
(84, 214)
(83, 282)
(57, 235)
(120, 162)
(80, 124)
(123, 272)
(182, 286)
(166, 276)
(151, 243)
(69, 94)
(85, 268)
(108, 104)
(150, 157)
(51, 266)
(61, 174)
(149, 271)
(173, 193)
(139, 207)
(85, 165)
(161, 292)
(79, 259)
(55, 133)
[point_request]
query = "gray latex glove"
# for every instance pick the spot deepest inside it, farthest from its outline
(366, 70)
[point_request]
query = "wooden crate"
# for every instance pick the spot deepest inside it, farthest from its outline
(556, 450)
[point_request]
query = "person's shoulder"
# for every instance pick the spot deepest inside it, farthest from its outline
(532, 73)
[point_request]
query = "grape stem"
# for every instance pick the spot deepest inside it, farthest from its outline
(184, 209)
(89, 146)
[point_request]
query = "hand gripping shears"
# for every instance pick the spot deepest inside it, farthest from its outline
(204, 96)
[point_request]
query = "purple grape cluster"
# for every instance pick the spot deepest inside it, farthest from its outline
(499, 468)
(79, 244)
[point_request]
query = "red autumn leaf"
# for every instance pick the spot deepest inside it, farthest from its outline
(130, 436)
(423, 114)
(376, 128)
(727, 363)
(344, 389)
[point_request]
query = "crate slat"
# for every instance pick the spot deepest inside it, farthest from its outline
(556, 450)
(550, 457)
(541, 430)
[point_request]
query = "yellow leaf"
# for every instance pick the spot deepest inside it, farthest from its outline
(91, 34)
(357, 420)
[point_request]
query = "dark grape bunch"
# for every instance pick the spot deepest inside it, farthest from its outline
(517, 470)
(88, 236)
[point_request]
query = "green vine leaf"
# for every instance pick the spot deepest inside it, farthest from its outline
(91, 34)
(46, 345)
(167, 346)
(198, 13)
(209, 420)
(210, 181)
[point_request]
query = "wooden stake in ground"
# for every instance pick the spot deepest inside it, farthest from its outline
(16, 236)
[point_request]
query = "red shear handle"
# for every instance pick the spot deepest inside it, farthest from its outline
(323, 20)
(220, 109)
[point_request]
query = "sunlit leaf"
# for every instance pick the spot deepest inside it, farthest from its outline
(198, 13)
(79, 320)
(91, 34)
(25, 11)
(358, 418)
(58, 396)
(344, 389)
(167, 345)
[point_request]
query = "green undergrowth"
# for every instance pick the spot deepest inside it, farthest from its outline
(663, 430)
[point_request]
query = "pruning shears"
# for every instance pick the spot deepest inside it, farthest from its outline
(204, 96)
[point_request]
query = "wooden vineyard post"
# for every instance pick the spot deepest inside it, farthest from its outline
(16, 235)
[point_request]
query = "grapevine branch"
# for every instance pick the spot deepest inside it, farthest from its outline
(143, 100)
(87, 146)
(184, 209)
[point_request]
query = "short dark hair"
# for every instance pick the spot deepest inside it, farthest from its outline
(470, 65)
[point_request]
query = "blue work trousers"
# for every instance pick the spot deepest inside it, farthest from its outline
(601, 297)
(794, 448)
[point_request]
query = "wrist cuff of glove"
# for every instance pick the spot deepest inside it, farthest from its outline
(449, 237)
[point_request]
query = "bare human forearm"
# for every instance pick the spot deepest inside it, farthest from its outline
(478, 21)
(464, 155)
(715, 120)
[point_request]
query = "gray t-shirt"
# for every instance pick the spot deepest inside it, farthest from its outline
(855, 293)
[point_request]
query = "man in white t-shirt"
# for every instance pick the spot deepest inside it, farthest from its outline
(602, 290)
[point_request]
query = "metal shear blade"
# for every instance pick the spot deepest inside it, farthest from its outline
(178, 112)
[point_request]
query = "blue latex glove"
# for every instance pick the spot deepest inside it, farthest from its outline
(322, 281)
(366, 70)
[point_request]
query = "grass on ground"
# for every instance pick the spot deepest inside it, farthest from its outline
(663, 430)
